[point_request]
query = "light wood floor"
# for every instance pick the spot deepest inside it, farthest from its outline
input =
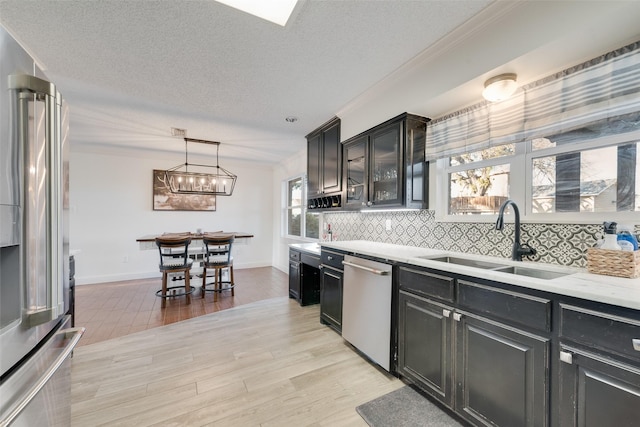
(267, 363)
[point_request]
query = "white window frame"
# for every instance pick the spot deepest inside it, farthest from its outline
(520, 182)
(287, 208)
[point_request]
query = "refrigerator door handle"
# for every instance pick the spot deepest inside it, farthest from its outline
(74, 335)
(42, 310)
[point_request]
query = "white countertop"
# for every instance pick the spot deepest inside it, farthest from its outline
(312, 248)
(578, 283)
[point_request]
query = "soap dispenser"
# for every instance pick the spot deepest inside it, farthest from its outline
(610, 237)
(626, 239)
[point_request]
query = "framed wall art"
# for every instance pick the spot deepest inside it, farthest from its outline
(165, 200)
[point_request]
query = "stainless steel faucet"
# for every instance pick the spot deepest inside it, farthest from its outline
(518, 249)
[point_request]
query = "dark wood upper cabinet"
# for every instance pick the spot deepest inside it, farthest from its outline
(324, 166)
(385, 166)
(313, 165)
(331, 169)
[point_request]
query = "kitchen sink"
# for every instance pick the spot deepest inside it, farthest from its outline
(465, 261)
(517, 270)
(531, 272)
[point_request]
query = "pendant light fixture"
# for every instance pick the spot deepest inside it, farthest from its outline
(191, 178)
(500, 87)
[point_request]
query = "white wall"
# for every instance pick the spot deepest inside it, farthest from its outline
(293, 166)
(111, 206)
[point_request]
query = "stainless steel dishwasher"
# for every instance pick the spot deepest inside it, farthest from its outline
(366, 308)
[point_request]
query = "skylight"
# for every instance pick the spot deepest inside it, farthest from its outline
(276, 11)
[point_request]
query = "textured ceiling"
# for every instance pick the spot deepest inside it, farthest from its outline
(131, 70)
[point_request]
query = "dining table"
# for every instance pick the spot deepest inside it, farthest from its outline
(196, 248)
(148, 241)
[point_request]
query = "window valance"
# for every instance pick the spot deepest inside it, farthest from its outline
(596, 98)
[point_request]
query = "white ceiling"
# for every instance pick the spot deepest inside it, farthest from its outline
(131, 70)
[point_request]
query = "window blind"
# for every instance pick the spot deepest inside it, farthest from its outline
(596, 98)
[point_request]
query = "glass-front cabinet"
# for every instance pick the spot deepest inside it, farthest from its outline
(355, 154)
(385, 167)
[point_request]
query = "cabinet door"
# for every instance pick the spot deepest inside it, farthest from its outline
(331, 298)
(424, 345)
(294, 280)
(386, 177)
(331, 168)
(313, 165)
(309, 284)
(356, 171)
(598, 391)
(502, 374)
(416, 168)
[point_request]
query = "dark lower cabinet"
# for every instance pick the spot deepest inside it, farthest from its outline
(424, 345)
(499, 374)
(599, 366)
(294, 274)
(304, 277)
(502, 373)
(331, 279)
(294, 279)
(479, 363)
(331, 298)
(597, 391)
(309, 284)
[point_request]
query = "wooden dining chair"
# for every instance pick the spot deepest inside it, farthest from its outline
(174, 258)
(218, 258)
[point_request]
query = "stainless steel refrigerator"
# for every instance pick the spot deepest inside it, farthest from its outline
(36, 339)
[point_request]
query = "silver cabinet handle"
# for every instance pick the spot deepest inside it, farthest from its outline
(446, 313)
(74, 335)
(566, 357)
(370, 270)
(457, 317)
(329, 257)
(636, 344)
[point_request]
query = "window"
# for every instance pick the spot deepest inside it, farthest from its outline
(479, 181)
(551, 179)
(585, 178)
(299, 222)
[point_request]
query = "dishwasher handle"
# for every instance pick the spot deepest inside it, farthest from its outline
(369, 269)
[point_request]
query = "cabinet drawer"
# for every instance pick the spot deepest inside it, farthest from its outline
(427, 284)
(599, 330)
(294, 255)
(332, 259)
(311, 260)
(525, 310)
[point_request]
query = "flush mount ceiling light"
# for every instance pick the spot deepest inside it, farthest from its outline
(191, 178)
(276, 11)
(500, 87)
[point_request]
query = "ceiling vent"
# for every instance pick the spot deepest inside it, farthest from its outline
(181, 133)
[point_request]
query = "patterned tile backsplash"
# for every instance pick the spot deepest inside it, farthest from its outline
(564, 244)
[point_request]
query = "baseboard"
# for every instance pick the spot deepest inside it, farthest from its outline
(92, 280)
